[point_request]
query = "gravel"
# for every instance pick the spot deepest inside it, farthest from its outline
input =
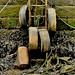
(10, 40)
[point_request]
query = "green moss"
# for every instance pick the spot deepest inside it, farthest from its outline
(13, 2)
(63, 13)
(9, 22)
(13, 22)
(10, 11)
(5, 22)
(73, 24)
(61, 25)
(72, 34)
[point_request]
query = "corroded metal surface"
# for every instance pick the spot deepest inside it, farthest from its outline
(22, 15)
(22, 57)
(29, 2)
(46, 26)
(45, 40)
(51, 19)
(33, 38)
(35, 15)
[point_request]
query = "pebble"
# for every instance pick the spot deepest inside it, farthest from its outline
(11, 40)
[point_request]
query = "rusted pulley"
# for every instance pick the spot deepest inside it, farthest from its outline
(23, 15)
(22, 58)
(33, 38)
(45, 40)
(51, 19)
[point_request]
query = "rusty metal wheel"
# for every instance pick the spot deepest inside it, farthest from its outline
(23, 15)
(51, 19)
(45, 40)
(33, 38)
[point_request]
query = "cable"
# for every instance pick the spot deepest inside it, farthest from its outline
(61, 7)
(4, 6)
(65, 22)
(61, 18)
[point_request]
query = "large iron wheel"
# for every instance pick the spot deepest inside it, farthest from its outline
(51, 19)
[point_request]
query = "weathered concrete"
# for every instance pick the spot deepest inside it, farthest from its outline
(13, 11)
(58, 2)
(65, 14)
(3, 2)
(63, 2)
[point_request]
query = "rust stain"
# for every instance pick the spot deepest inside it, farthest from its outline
(45, 40)
(33, 38)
